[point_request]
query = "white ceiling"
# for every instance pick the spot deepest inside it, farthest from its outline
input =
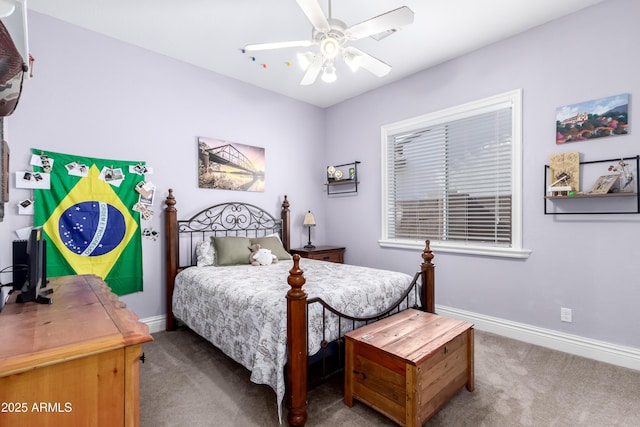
(211, 34)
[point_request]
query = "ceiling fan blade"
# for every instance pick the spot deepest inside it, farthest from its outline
(368, 62)
(314, 13)
(278, 45)
(312, 72)
(387, 21)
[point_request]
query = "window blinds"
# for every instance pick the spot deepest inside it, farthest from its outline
(452, 180)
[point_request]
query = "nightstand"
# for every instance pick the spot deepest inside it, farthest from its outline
(323, 253)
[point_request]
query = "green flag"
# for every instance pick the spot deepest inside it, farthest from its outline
(88, 220)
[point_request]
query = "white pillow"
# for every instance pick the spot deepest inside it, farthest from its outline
(205, 253)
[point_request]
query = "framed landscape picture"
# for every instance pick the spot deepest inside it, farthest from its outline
(594, 119)
(229, 165)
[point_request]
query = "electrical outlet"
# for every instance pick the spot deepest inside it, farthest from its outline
(565, 315)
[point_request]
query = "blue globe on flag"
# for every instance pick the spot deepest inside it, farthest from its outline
(92, 228)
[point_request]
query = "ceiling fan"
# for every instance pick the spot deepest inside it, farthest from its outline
(333, 37)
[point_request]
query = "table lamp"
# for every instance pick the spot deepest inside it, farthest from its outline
(309, 221)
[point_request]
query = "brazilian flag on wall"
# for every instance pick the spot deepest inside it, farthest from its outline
(88, 220)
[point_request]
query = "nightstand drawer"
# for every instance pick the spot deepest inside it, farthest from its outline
(333, 256)
(322, 253)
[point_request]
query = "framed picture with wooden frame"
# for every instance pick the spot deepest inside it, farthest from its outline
(604, 184)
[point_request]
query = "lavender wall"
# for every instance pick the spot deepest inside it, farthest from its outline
(95, 96)
(98, 97)
(588, 262)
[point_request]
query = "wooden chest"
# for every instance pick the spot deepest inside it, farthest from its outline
(409, 365)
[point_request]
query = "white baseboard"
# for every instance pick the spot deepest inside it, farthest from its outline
(155, 323)
(627, 357)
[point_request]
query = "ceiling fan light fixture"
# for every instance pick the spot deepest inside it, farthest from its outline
(329, 73)
(329, 47)
(305, 59)
(353, 60)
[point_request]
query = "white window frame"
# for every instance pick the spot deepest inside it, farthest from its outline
(516, 250)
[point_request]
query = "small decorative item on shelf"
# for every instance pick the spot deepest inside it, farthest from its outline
(625, 176)
(564, 173)
(331, 170)
(560, 187)
(604, 184)
(352, 173)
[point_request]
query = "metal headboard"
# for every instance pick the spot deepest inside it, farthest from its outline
(224, 219)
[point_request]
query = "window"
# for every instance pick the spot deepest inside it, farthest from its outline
(455, 177)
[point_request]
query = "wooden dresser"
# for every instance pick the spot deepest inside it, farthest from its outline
(323, 253)
(74, 362)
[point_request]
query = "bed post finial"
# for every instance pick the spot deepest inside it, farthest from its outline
(170, 201)
(296, 347)
(428, 279)
(427, 254)
(286, 221)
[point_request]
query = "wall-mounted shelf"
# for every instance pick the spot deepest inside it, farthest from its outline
(592, 196)
(342, 179)
(630, 201)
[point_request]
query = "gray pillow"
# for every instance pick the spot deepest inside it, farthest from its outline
(231, 250)
(274, 244)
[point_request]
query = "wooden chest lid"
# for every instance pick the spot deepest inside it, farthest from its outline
(412, 335)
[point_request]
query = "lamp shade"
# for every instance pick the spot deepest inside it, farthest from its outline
(309, 220)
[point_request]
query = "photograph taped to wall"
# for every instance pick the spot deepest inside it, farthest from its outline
(25, 207)
(230, 166)
(113, 176)
(42, 161)
(30, 179)
(147, 198)
(76, 169)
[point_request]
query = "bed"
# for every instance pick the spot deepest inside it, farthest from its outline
(275, 319)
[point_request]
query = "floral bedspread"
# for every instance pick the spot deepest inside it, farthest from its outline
(242, 309)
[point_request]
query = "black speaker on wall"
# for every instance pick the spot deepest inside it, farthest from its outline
(20, 263)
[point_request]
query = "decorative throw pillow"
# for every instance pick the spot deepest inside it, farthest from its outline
(231, 250)
(273, 243)
(205, 253)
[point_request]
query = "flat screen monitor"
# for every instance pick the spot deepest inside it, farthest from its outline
(36, 269)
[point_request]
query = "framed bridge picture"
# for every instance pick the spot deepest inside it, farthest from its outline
(229, 165)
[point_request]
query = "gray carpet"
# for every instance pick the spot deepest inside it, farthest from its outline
(187, 382)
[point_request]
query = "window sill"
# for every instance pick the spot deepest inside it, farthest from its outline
(458, 248)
